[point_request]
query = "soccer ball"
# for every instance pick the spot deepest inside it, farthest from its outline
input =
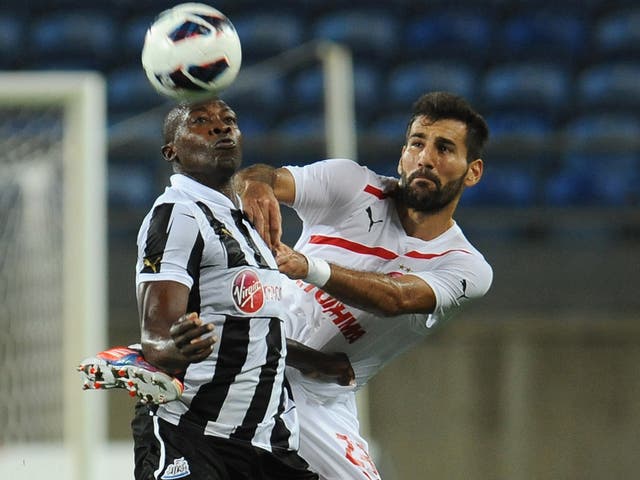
(191, 51)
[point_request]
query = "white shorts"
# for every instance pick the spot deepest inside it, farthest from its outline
(330, 439)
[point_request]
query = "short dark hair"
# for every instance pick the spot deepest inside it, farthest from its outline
(172, 121)
(445, 105)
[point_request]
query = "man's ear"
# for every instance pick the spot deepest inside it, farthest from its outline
(474, 172)
(168, 152)
(399, 169)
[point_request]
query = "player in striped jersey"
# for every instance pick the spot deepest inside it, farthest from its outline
(202, 270)
(364, 223)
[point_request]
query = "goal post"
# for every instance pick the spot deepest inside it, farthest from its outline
(53, 164)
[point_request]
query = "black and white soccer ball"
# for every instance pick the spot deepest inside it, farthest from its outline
(191, 51)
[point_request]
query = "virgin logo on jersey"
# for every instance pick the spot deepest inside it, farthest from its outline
(247, 291)
(337, 312)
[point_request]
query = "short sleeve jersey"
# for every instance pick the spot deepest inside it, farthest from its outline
(193, 235)
(349, 220)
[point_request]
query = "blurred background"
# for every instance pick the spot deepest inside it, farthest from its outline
(540, 379)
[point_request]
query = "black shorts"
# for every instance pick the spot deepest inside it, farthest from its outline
(164, 451)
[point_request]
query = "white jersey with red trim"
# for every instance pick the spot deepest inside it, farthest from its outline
(349, 220)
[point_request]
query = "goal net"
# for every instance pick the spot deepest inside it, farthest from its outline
(52, 271)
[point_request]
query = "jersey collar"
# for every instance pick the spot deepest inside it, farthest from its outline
(199, 191)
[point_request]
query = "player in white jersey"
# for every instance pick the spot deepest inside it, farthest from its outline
(361, 223)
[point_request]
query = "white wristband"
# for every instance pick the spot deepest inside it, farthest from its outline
(319, 272)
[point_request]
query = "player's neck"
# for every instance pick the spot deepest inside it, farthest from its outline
(426, 225)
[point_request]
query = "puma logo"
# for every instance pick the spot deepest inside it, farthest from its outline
(463, 282)
(152, 263)
(372, 222)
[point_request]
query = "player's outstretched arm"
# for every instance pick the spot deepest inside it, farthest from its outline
(171, 337)
(328, 367)
(374, 292)
(262, 188)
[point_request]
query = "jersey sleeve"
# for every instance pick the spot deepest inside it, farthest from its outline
(326, 189)
(168, 241)
(464, 277)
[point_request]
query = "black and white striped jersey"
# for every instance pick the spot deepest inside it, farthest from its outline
(195, 236)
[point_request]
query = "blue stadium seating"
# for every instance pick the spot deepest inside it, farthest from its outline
(617, 35)
(540, 86)
(128, 89)
(557, 81)
(12, 28)
(266, 34)
(370, 32)
(542, 35)
(307, 89)
(463, 34)
(609, 85)
(612, 133)
(519, 126)
(86, 39)
(408, 81)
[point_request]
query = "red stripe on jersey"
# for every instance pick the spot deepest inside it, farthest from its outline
(353, 246)
(428, 256)
(377, 251)
(375, 191)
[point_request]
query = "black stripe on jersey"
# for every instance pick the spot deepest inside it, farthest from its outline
(280, 433)
(262, 394)
(157, 235)
(193, 269)
(232, 354)
(235, 255)
(238, 216)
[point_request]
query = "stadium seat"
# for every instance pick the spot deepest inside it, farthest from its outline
(262, 92)
(503, 186)
(130, 184)
(591, 181)
(536, 86)
(609, 85)
(129, 90)
(307, 89)
(617, 35)
(131, 39)
(542, 35)
(371, 32)
(86, 38)
(464, 34)
(519, 126)
(266, 34)
(11, 40)
(603, 133)
(408, 81)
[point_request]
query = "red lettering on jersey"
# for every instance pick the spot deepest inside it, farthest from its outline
(338, 313)
(357, 454)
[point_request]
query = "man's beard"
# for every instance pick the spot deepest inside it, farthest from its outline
(425, 200)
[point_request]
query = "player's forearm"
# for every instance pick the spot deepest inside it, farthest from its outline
(329, 367)
(370, 291)
(257, 173)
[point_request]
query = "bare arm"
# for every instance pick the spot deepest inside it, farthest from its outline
(370, 291)
(262, 188)
(329, 367)
(171, 338)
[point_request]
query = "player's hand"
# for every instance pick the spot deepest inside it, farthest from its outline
(293, 264)
(334, 368)
(190, 336)
(263, 210)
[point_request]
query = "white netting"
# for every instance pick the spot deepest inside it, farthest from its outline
(31, 269)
